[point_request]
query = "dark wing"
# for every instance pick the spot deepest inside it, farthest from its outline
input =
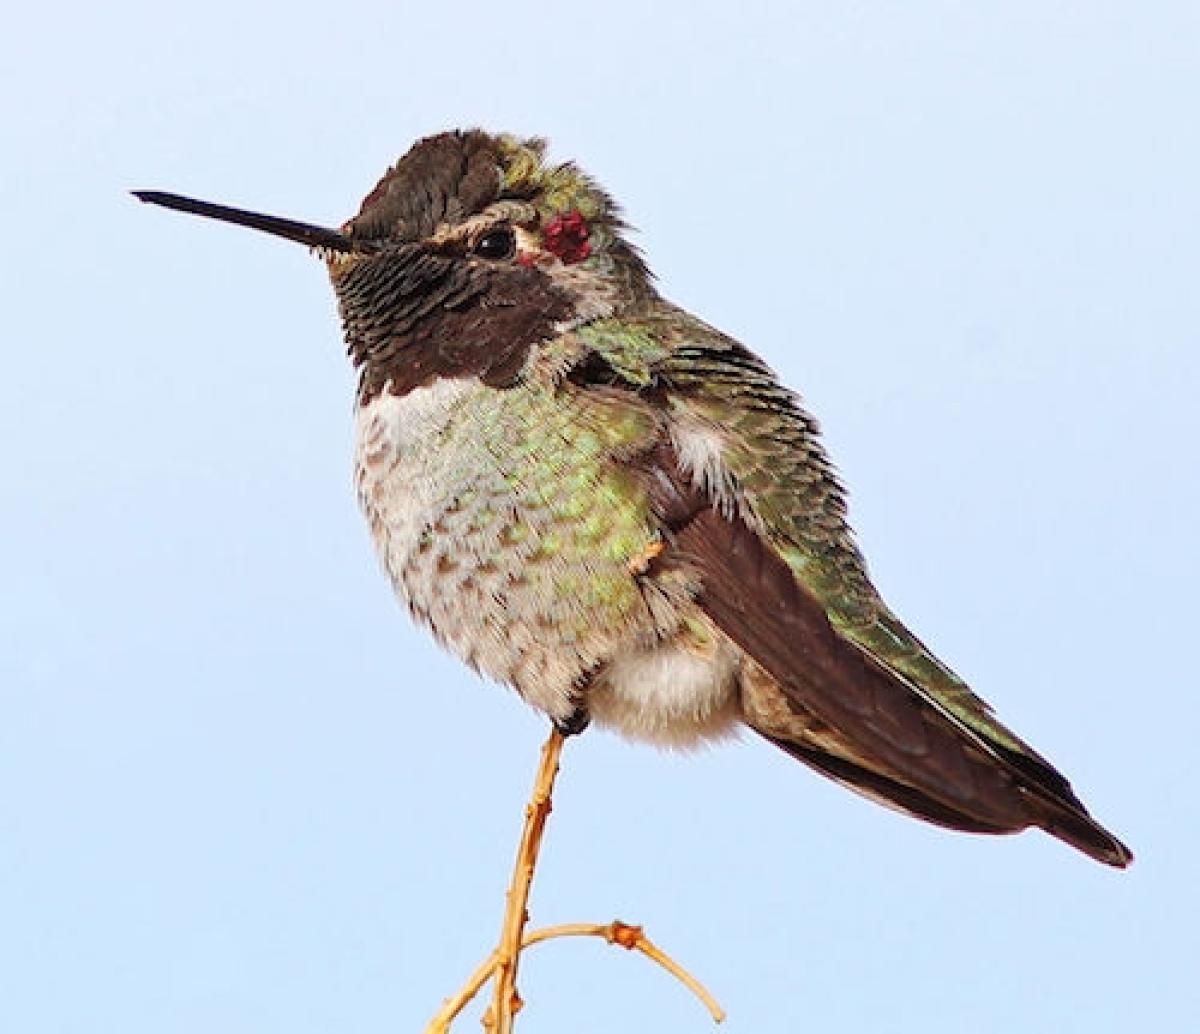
(894, 743)
(763, 528)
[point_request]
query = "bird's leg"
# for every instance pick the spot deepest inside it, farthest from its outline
(575, 723)
(506, 1002)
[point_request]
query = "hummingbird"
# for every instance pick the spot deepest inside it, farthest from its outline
(589, 494)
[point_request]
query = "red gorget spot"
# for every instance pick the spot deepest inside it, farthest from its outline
(566, 236)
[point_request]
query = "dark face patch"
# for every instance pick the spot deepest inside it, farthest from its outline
(413, 315)
(415, 311)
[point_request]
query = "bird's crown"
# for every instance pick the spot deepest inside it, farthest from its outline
(469, 176)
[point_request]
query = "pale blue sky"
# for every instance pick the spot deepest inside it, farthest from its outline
(239, 793)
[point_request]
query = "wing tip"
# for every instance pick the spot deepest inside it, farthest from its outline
(1085, 834)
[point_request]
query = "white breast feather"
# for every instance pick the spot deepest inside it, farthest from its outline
(700, 447)
(397, 462)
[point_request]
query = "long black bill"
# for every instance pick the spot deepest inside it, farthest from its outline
(304, 233)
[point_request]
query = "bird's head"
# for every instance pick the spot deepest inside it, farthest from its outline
(469, 251)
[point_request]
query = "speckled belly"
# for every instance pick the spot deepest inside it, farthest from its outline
(507, 529)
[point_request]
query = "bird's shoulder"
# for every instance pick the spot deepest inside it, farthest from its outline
(740, 435)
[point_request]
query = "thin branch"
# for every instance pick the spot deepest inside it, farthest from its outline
(506, 1002)
(633, 939)
(503, 962)
(452, 1006)
(616, 932)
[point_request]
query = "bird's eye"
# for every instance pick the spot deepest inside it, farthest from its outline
(496, 244)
